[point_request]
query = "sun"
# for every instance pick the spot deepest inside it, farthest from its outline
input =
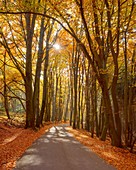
(56, 46)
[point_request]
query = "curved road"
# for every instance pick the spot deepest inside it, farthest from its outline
(58, 150)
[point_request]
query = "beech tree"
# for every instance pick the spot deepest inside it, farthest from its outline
(6, 103)
(101, 31)
(104, 44)
(28, 30)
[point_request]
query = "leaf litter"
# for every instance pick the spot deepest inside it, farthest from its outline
(14, 140)
(120, 158)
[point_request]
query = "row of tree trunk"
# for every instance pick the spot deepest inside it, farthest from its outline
(92, 95)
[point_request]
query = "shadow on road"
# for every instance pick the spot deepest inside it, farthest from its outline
(58, 150)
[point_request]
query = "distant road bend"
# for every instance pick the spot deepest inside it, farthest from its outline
(58, 150)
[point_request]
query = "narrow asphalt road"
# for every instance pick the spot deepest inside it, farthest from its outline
(58, 150)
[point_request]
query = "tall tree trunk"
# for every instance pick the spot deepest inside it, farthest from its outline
(44, 95)
(5, 89)
(67, 96)
(115, 138)
(38, 73)
(82, 95)
(79, 100)
(101, 116)
(126, 88)
(105, 115)
(49, 98)
(75, 71)
(94, 119)
(30, 117)
(75, 102)
(71, 97)
(87, 99)
(60, 110)
(131, 97)
(45, 80)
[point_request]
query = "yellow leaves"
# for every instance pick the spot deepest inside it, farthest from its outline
(12, 75)
(131, 43)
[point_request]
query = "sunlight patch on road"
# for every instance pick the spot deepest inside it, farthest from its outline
(44, 140)
(59, 128)
(31, 150)
(30, 159)
(53, 130)
(75, 142)
(70, 135)
(62, 140)
(86, 148)
(49, 136)
(62, 134)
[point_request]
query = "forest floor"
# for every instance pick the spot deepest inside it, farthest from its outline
(120, 158)
(14, 140)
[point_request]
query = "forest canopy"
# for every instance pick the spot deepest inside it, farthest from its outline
(89, 80)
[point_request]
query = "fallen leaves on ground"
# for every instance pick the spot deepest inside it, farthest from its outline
(14, 141)
(120, 158)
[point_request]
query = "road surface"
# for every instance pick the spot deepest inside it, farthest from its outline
(58, 150)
